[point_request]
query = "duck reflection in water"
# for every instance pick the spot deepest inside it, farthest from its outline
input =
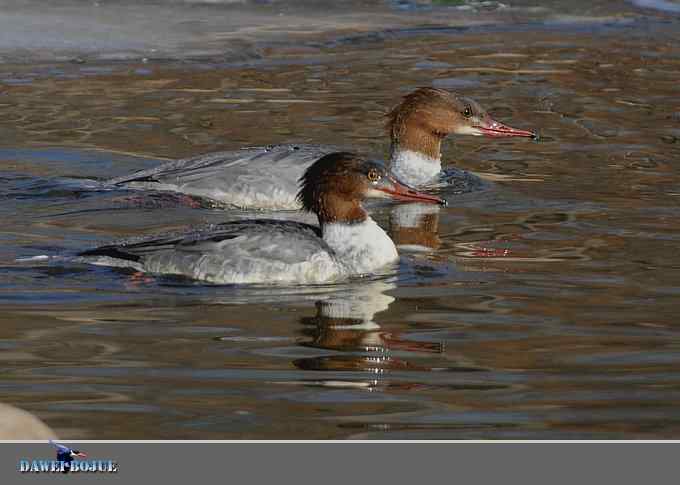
(414, 227)
(345, 324)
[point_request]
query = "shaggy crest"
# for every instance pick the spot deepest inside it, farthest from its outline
(313, 182)
(334, 186)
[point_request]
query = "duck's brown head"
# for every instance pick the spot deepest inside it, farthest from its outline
(334, 186)
(427, 115)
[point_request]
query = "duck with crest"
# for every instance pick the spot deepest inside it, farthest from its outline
(266, 177)
(346, 243)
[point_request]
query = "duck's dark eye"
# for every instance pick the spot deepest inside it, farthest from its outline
(373, 175)
(467, 112)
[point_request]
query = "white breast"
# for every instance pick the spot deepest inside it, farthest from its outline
(361, 247)
(414, 168)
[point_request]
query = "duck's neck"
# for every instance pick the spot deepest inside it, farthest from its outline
(361, 246)
(415, 156)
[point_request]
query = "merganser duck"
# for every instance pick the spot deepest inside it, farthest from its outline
(266, 177)
(419, 124)
(346, 243)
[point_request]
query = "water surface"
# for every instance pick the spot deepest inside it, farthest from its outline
(544, 307)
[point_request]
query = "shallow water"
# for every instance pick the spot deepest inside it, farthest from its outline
(546, 306)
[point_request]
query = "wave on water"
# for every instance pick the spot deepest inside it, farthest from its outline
(662, 5)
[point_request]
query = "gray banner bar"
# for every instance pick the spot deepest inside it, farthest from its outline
(412, 463)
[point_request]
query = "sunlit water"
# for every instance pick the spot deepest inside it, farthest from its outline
(541, 305)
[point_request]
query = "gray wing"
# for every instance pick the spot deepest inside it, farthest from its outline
(254, 251)
(258, 177)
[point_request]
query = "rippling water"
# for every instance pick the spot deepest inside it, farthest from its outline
(544, 306)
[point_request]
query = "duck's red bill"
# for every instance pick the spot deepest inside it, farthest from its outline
(494, 128)
(400, 191)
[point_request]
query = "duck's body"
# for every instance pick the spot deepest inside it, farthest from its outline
(256, 177)
(259, 251)
(266, 177)
(346, 243)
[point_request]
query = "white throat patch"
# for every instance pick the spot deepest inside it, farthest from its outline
(414, 168)
(362, 247)
(468, 130)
